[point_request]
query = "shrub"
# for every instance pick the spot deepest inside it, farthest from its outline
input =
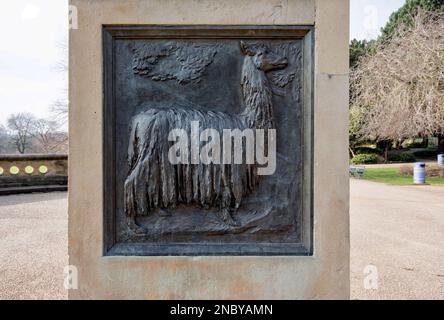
(365, 158)
(366, 150)
(414, 143)
(406, 171)
(401, 157)
(435, 170)
(425, 153)
(432, 170)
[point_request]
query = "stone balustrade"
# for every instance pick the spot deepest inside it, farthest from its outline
(33, 173)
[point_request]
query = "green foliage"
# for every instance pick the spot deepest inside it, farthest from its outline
(425, 153)
(359, 48)
(414, 143)
(365, 158)
(393, 176)
(355, 122)
(364, 150)
(406, 12)
(401, 157)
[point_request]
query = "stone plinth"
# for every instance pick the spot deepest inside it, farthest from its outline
(322, 272)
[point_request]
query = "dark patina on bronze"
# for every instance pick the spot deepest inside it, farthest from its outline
(160, 78)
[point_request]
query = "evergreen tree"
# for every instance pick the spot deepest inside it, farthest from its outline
(406, 15)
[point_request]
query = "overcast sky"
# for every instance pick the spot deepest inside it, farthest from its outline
(32, 31)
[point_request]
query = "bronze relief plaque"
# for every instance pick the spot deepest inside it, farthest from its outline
(207, 140)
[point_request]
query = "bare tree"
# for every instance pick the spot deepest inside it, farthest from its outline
(398, 91)
(4, 139)
(59, 108)
(21, 126)
(47, 136)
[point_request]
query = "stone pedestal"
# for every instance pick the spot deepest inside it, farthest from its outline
(320, 269)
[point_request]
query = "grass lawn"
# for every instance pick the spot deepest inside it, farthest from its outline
(392, 176)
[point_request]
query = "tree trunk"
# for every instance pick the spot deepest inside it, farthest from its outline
(384, 145)
(351, 152)
(425, 141)
(440, 143)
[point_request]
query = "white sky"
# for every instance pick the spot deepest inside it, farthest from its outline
(31, 32)
(367, 17)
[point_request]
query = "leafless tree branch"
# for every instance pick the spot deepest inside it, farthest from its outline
(398, 91)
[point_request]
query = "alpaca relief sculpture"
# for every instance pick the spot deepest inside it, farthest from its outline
(154, 182)
(208, 142)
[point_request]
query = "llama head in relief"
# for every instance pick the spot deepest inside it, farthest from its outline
(257, 93)
(263, 58)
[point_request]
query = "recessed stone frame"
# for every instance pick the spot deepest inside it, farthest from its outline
(113, 244)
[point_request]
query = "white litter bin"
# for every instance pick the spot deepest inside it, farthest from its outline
(419, 173)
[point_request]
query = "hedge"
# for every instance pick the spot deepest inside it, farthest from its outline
(364, 158)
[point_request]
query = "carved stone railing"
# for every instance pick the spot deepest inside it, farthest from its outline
(33, 173)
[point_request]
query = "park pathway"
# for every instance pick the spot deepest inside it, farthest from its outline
(33, 246)
(399, 230)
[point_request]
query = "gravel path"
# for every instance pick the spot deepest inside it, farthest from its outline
(399, 230)
(33, 246)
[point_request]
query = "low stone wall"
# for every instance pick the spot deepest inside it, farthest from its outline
(33, 173)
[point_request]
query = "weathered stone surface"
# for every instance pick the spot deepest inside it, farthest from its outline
(323, 275)
(213, 81)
